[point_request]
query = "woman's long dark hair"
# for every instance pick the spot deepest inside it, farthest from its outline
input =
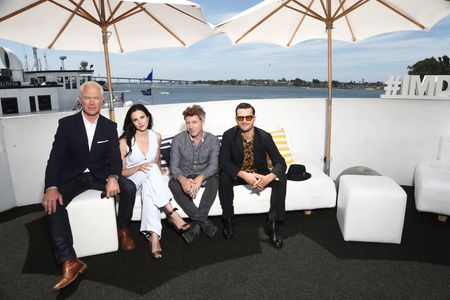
(128, 128)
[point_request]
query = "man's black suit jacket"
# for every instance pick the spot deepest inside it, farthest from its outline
(231, 154)
(70, 154)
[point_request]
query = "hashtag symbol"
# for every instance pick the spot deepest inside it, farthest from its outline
(393, 85)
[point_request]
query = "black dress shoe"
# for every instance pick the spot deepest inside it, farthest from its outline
(193, 231)
(273, 233)
(228, 228)
(208, 228)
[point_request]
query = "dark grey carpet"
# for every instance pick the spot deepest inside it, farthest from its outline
(315, 263)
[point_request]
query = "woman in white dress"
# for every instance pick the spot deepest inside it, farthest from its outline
(139, 148)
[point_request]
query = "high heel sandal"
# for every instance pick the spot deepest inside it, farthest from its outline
(183, 227)
(155, 254)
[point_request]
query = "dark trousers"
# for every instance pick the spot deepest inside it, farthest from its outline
(201, 212)
(277, 197)
(59, 226)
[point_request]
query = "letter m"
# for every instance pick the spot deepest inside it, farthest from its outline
(424, 88)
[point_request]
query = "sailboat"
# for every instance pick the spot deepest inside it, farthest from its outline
(148, 92)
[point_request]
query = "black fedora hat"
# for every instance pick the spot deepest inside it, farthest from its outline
(297, 173)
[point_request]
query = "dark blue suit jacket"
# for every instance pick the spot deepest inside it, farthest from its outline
(231, 154)
(70, 154)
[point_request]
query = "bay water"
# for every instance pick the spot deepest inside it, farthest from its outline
(192, 93)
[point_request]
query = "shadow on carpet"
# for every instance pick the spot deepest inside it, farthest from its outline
(136, 271)
(424, 239)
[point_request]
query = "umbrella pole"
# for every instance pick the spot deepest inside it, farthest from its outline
(112, 115)
(329, 103)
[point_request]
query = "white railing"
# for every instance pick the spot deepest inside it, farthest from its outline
(389, 136)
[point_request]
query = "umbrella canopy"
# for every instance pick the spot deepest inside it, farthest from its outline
(288, 22)
(99, 25)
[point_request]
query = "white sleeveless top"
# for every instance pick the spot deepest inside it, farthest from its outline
(137, 157)
(150, 183)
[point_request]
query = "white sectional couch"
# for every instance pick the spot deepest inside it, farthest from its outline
(319, 191)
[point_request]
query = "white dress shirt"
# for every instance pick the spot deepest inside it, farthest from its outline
(90, 131)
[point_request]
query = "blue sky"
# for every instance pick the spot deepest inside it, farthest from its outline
(373, 59)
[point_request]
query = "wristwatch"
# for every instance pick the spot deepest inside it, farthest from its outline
(112, 177)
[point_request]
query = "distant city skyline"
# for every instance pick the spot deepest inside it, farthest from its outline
(215, 58)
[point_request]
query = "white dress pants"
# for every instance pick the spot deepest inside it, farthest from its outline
(155, 194)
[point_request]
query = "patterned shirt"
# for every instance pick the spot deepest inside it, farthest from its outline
(248, 165)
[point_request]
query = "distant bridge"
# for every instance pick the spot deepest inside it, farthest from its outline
(118, 80)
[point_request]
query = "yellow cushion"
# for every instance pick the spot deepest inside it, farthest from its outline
(279, 137)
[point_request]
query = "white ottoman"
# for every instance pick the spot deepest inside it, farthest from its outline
(432, 187)
(371, 209)
(93, 223)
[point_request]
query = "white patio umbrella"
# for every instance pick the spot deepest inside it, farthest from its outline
(103, 25)
(288, 22)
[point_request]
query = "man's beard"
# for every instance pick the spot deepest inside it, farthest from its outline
(247, 130)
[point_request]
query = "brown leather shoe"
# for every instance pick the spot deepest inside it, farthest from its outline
(70, 269)
(125, 240)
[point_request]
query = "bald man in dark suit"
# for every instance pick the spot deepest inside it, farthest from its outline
(85, 155)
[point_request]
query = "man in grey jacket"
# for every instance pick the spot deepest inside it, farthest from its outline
(194, 163)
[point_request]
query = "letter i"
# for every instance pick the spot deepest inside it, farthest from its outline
(405, 85)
